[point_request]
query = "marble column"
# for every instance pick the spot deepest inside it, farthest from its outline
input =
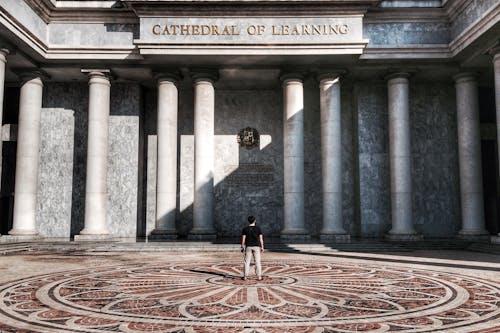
(496, 67)
(28, 144)
(204, 113)
(400, 159)
(293, 142)
(3, 60)
(166, 179)
(331, 157)
(96, 189)
(469, 154)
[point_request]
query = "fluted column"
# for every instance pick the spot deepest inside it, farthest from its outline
(166, 180)
(28, 143)
(469, 153)
(331, 157)
(496, 67)
(400, 158)
(96, 190)
(204, 110)
(293, 158)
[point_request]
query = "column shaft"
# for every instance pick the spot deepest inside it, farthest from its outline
(400, 158)
(496, 67)
(166, 186)
(3, 61)
(469, 153)
(204, 109)
(331, 155)
(28, 142)
(293, 142)
(96, 191)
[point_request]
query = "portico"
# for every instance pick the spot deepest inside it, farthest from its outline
(353, 134)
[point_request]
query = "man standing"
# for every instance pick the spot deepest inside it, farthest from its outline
(252, 243)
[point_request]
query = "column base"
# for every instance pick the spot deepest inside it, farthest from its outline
(202, 235)
(334, 238)
(20, 238)
(295, 236)
(159, 235)
(495, 239)
(477, 236)
(92, 238)
(404, 237)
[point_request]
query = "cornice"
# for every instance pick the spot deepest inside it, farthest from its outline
(475, 29)
(453, 8)
(405, 15)
(147, 8)
(51, 12)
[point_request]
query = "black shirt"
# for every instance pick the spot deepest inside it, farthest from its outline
(252, 235)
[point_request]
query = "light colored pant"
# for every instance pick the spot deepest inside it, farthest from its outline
(255, 251)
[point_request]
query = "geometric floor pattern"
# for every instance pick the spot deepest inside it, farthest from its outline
(295, 296)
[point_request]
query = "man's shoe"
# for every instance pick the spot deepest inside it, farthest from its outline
(244, 278)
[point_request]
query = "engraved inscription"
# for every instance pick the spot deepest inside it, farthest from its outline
(250, 175)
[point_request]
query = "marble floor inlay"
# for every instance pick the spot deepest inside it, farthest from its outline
(295, 296)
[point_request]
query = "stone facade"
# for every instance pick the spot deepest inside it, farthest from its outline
(247, 60)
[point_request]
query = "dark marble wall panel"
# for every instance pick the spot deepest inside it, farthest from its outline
(74, 97)
(123, 159)
(55, 173)
(370, 100)
(435, 176)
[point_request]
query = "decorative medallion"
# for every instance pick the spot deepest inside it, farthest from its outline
(249, 138)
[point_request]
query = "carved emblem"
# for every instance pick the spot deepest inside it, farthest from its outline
(248, 138)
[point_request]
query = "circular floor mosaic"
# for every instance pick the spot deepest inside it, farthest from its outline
(211, 297)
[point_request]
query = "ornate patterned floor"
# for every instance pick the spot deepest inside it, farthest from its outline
(295, 296)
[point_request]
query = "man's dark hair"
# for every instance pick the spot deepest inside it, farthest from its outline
(251, 219)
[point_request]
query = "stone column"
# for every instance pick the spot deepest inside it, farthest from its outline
(3, 60)
(400, 158)
(28, 143)
(496, 66)
(166, 180)
(293, 142)
(204, 109)
(331, 157)
(469, 154)
(96, 189)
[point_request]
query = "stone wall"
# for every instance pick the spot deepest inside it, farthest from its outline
(372, 162)
(433, 136)
(55, 173)
(434, 148)
(123, 166)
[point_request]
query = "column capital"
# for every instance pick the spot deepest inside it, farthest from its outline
(98, 76)
(330, 75)
(287, 77)
(6, 48)
(204, 74)
(401, 75)
(170, 75)
(495, 51)
(465, 77)
(27, 74)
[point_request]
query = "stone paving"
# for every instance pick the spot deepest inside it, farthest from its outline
(421, 291)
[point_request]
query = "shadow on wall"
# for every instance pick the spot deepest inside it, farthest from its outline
(246, 181)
